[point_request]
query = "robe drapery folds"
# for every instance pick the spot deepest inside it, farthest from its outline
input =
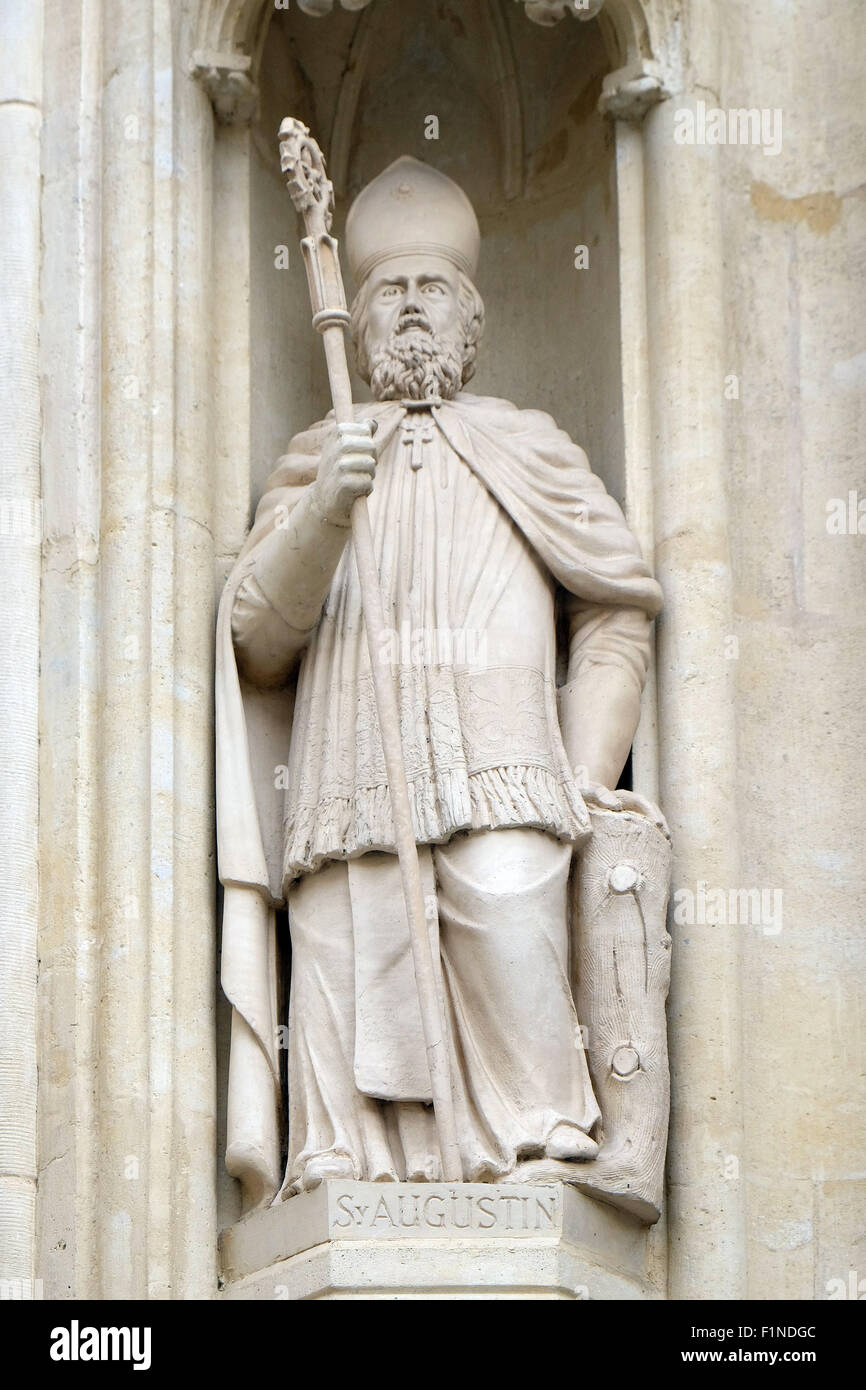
(542, 481)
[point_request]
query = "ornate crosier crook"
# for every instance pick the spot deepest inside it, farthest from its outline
(313, 196)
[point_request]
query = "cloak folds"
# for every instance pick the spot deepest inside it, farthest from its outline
(542, 481)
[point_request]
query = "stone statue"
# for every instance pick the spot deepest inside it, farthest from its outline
(502, 560)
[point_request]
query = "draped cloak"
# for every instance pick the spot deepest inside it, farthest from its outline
(543, 482)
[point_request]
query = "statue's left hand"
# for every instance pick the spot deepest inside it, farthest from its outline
(596, 795)
(633, 801)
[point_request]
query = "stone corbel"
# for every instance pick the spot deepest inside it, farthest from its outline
(628, 93)
(549, 12)
(227, 81)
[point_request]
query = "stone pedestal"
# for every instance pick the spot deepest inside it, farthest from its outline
(436, 1240)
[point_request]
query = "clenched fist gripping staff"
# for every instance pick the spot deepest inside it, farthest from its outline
(313, 196)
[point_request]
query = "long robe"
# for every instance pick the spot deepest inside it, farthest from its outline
(482, 743)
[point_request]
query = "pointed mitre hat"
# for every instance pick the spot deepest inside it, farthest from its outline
(409, 209)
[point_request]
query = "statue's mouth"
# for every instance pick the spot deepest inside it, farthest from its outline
(416, 321)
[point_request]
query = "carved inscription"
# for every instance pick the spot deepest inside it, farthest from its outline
(365, 1211)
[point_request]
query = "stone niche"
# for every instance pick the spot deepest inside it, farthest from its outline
(510, 110)
(514, 107)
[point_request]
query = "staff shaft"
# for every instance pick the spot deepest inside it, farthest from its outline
(312, 194)
(426, 970)
(404, 832)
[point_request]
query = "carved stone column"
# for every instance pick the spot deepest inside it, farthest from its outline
(20, 130)
(127, 1141)
(696, 690)
(627, 95)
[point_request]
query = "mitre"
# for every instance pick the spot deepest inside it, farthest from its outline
(411, 209)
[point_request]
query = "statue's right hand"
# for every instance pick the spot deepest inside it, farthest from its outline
(346, 471)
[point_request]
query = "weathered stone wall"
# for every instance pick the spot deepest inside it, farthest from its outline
(795, 253)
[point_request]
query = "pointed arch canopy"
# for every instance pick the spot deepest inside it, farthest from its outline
(227, 37)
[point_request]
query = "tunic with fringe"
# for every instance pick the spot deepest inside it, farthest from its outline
(470, 611)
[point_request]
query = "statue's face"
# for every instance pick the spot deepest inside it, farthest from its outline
(416, 323)
(413, 293)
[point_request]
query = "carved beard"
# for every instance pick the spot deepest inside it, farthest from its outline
(416, 364)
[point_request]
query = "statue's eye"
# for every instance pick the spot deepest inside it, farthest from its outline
(434, 289)
(390, 291)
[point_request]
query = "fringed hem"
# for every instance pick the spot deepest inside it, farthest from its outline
(496, 799)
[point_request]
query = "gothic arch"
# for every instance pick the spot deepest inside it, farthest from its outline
(227, 37)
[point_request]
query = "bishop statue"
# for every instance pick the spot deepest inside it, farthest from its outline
(519, 612)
